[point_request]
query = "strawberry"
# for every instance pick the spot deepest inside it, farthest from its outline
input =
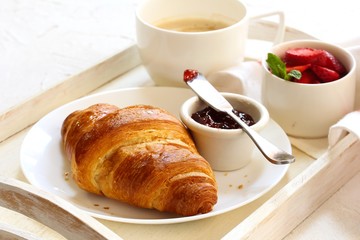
(308, 77)
(306, 65)
(325, 74)
(301, 68)
(301, 56)
(329, 61)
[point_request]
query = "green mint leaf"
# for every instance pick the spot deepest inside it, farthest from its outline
(278, 68)
(295, 74)
(276, 65)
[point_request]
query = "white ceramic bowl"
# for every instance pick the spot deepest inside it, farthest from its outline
(225, 149)
(308, 110)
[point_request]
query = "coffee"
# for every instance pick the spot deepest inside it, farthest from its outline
(191, 24)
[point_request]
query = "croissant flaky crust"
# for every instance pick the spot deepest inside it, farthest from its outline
(141, 155)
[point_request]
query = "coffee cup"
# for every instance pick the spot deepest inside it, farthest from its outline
(206, 35)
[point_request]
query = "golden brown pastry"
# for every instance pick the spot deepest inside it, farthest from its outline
(141, 155)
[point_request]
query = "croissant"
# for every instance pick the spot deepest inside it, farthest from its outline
(141, 155)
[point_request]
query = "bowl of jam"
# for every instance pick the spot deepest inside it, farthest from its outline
(220, 139)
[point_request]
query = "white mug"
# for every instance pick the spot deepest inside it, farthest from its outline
(167, 53)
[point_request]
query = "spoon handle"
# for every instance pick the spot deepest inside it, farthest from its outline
(272, 153)
(210, 95)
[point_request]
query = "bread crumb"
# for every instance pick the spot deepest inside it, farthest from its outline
(66, 176)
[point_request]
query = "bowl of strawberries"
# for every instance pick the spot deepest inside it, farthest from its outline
(308, 85)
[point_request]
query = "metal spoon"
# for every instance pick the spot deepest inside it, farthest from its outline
(197, 82)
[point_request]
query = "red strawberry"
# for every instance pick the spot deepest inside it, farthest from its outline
(301, 56)
(328, 60)
(301, 68)
(308, 77)
(325, 74)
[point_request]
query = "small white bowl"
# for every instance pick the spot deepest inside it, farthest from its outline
(308, 110)
(225, 149)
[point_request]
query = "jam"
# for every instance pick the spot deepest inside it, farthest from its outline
(212, 118)
(190, 75)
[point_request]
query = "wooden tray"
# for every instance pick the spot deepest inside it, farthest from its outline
(23, 115)
(303, 195)
(307, 185)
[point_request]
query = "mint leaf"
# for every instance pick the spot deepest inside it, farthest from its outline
(295, 74)
(276, 65)
(278, 68)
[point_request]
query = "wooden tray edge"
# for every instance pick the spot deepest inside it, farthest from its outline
(30, 111)
(79, 85)
(278, 216)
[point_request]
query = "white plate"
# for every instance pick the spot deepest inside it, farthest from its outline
(44, 164)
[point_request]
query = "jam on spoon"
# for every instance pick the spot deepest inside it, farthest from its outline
(190, 74)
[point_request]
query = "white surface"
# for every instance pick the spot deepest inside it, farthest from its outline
(332, 21)
(45, 165)
(43, 42)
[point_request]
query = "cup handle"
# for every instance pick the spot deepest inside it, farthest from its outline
(279, 37)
